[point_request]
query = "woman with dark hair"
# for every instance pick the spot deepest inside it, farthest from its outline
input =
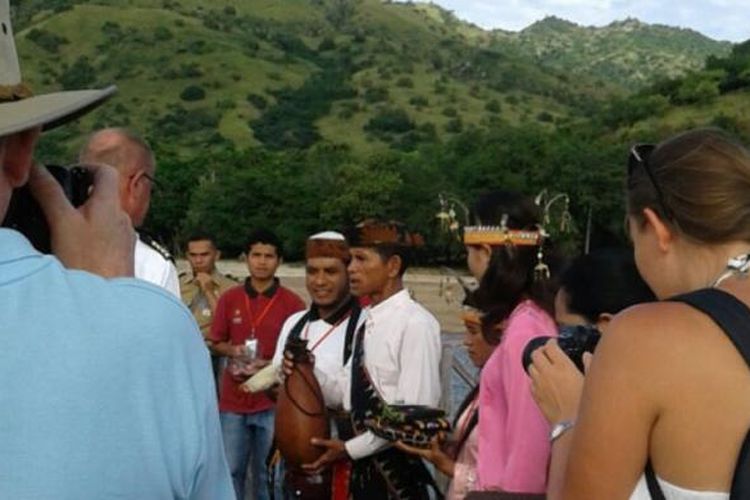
(666, 387)
(514, 263)
(457, 458)
(598, 285)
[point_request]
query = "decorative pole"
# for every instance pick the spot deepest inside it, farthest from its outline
(448, 217)
(544, 201)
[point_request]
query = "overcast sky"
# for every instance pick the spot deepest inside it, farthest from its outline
(718, 19)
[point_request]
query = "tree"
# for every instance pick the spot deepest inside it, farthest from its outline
(47, 40)
(359, 192)
(395, 121)
(492, 106)
(80, 75)
(242, 190)
(162, 33)
(339, 12)
(419, 101)
(192, 93)
(699, 88)
(405, 82)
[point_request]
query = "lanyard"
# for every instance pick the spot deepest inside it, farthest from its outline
(326, 334)
(255, 324)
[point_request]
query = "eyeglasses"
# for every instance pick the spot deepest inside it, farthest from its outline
(152, 180)
(639, 155)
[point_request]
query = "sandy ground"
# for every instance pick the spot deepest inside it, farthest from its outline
(437, 290)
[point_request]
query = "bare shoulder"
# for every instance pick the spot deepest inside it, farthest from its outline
(658, 323)
(670, 367)
(664, 341)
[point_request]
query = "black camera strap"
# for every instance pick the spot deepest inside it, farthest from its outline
(733, 317)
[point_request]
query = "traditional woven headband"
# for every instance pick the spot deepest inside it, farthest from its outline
(373, 233)
(471, 317)
(503, 236)
(337, 249)
(498, 235)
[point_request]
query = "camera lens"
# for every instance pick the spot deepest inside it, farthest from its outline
(530, 348)
(25, 215)
(573, 340)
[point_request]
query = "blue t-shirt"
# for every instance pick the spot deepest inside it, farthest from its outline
(106, 388)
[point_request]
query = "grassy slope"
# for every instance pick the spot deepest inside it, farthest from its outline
(397, 41)
(628, 52)
(419, 30)
(734, 107)
(139, 62)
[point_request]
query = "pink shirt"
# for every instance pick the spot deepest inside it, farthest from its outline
(514, 443)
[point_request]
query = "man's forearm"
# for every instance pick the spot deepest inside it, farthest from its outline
(364, 445)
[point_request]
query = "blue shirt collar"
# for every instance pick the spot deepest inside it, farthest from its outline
(14, 246)
(18, 259)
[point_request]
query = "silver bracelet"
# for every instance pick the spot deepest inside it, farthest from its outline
(559, 429)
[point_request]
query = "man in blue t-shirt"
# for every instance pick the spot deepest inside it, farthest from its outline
(107, 387)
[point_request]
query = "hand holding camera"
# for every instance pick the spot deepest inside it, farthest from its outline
(557, 383)
(96, 236)
(574, 340)
(556, 367)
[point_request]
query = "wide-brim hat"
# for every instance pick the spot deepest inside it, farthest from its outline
(19, 109)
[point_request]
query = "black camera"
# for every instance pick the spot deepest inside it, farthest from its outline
(574, 340)
(26, 216)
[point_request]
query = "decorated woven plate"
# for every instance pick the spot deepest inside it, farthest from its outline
(415, 425)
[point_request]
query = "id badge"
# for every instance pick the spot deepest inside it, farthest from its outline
(251, 348)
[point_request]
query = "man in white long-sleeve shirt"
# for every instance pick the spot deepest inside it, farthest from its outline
(395, 361)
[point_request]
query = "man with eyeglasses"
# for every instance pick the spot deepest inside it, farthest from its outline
(134, 160)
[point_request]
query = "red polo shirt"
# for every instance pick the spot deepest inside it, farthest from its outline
(240, 311)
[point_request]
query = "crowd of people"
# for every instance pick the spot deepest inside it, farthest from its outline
(123, 380)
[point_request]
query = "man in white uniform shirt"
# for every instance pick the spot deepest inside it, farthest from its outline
(134, 160)
(395, 361)
(328, 326)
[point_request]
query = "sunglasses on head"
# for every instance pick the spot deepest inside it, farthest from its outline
(639, 155)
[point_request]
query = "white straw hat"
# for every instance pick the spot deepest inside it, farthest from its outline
(19, 109)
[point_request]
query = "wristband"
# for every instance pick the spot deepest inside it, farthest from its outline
(559, 429)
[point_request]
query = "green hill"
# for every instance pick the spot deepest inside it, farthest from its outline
(364, 73)
(718, 94)
(258, 107)
(629, 53)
